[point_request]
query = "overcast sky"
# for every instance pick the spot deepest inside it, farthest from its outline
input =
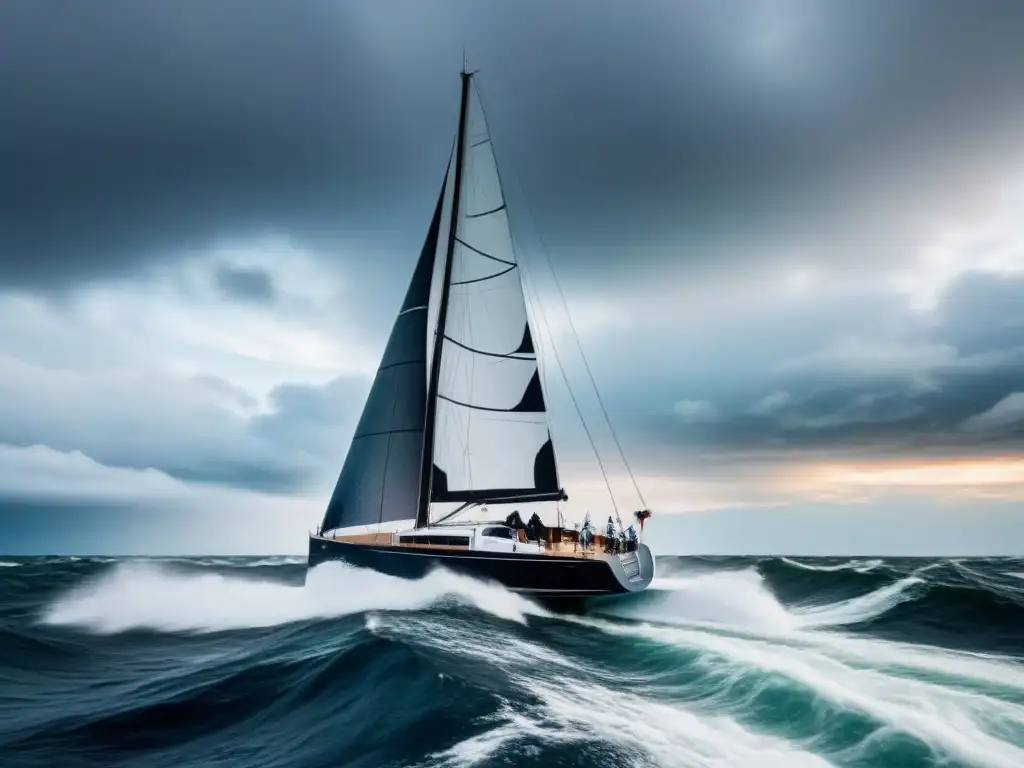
(788, 231)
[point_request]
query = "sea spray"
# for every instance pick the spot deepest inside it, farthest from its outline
(148, 595)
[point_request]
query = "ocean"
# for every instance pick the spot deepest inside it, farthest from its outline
(744, 662)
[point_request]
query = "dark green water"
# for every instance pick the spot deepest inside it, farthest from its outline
(723, 662)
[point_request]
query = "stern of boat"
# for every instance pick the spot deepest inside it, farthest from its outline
(633, 570)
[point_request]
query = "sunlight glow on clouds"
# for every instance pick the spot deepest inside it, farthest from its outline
(986, 238)
(989, 477)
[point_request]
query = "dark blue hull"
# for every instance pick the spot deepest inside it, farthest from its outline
(546, 576)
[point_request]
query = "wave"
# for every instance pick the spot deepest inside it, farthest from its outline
(6, 564)
(578, 715)
(708, 667)
(738, 599)
(961, 723)
(959, 705)
(580, 709)
(242, 561)
(860, 566)
(859, 609)
(743, 600)
(146, 595)
(940, 598)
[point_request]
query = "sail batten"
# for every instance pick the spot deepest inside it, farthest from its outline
(481, 253)
(517, 354)
(485, 277)
(485, 213)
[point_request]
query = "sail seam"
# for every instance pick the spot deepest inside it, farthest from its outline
(483, 407)
(485, 213)
(478, 143)
(387, 458)
(508, 355)
(487, 255)
(387, 432)
(395, 365)
(412, 309)
(486, 277)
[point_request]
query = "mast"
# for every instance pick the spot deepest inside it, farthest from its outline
(426, 468)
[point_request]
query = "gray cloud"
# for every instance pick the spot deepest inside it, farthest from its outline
(245, 284)
(1008, 412)
(937, 385)
(131, 134)
(678, 159)
(155, 129)
(199, 429)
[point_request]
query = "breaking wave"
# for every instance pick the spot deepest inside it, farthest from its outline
(152, 596)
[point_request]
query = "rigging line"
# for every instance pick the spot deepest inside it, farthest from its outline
(572, 326)
(558, 361)
(532, 300)
(579, 412)
(539, 343)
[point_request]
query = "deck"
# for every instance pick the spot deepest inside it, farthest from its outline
(555, 549)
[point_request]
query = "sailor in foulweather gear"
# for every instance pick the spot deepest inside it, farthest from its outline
(609, 535)
(586, 532)
(533, 528)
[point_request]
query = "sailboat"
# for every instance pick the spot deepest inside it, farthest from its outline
(457, 415)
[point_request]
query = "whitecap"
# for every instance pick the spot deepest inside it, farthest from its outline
(145, 595)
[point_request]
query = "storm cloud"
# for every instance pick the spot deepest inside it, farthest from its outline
(138, 132)
(788, 231)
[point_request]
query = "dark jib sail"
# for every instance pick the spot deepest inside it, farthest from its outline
(491, 440)
(379, 480)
